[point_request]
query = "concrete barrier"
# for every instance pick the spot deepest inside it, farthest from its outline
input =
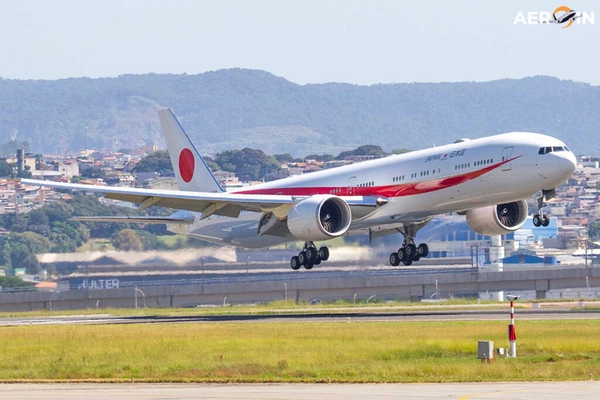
(311, 286)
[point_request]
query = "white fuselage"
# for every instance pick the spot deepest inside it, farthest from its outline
(418, 185)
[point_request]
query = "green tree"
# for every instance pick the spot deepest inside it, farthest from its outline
(6, 256)
(23, 257)
(127, 240)
(61, 243)
(211, 164)
(22, 249)
(225, 160)
(36, 243)
(93, 173)
(6, 170)
(287, 157)
(594, 230)
(149, 241)
(154, 162)
(320, 157)
(14, 282)
(248, 164)
(366, 150)
(401, 151)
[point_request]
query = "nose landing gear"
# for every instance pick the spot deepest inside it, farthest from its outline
(541, 219)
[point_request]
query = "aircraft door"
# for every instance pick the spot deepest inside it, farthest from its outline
(351, 185)
(507, 155)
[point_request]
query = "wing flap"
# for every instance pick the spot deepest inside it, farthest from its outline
(139, 220)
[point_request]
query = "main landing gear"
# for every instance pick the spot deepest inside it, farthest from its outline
(541, 219)
(309, 256)
(409, 252)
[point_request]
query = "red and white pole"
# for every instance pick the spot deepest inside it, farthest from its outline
(512, 336)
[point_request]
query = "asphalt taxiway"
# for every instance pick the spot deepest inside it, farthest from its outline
(584, 390)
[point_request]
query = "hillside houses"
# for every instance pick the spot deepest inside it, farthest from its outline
(575, 206)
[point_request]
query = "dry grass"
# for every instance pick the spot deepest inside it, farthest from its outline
(304, 352)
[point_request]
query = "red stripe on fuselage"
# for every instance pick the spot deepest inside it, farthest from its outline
(406, 189)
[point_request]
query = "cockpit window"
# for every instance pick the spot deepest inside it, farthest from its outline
(548, 149)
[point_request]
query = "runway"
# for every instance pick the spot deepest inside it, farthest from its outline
(585, 390)
(379, 314)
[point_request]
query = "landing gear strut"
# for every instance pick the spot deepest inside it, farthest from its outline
(541, 219)
(409, 252)
(309, 256)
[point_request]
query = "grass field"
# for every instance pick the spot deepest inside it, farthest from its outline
(299, 352)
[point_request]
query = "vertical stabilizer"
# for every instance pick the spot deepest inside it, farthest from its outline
(190, 168)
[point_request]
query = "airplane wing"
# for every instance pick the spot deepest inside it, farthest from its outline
(138, 220)
(227, 204)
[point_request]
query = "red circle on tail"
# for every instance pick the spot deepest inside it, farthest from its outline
(186, 165)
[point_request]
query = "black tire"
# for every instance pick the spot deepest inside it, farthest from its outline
(394, 260)
(423, 250)
(308, 265)
(537, 220)
(402, 254)
(302, 258)
(411, 251)
(311, 254)
(324, 253)
(416, 258)
(408, 263)
(317, 261)
(295, 263)
(545, 220)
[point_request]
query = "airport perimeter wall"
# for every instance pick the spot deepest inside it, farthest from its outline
(306, 287)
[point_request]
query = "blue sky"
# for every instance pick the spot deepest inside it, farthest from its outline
(307, 41)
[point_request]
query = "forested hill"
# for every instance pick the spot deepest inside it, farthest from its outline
(239, 108)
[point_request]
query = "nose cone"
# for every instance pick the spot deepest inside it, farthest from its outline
(567, 164)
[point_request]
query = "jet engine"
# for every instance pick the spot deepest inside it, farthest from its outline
(319, 217)
(498, 219)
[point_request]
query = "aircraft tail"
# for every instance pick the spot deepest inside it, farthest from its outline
(191, 170)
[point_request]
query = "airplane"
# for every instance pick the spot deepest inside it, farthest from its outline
(568, 16)
(487, 180)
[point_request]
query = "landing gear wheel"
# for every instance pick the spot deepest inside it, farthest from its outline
(416, 258)
(545, 220)
(324, 253)
(317, 261)
(302, 258)
(394, 259)
(411, 251)
(408, 262)
(402, 254)
(295, 263)
(308, 265)
(537, 220)
(311, 254)
(423, 250)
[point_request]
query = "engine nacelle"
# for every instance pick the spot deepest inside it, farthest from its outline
(498, 219)
(319, 217)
